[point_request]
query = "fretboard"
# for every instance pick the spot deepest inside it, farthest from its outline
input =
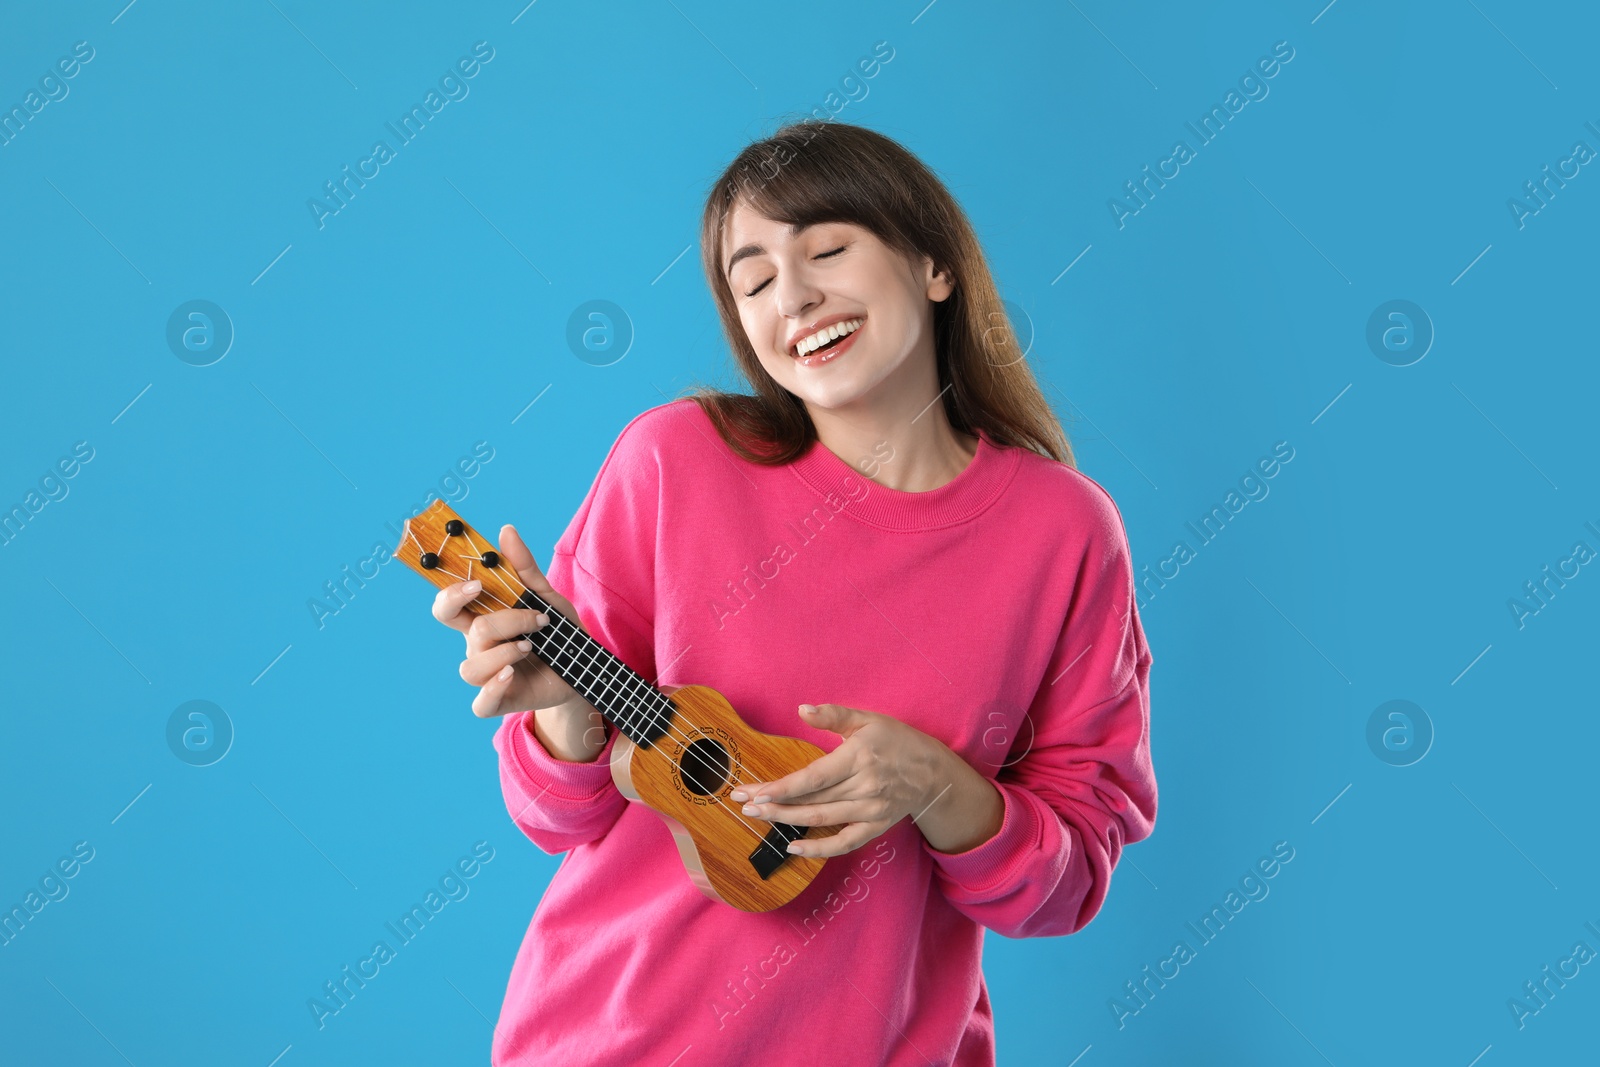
(621, 695)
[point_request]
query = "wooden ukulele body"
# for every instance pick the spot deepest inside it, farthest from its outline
(686, 776)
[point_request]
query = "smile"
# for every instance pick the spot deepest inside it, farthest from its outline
(828, 344)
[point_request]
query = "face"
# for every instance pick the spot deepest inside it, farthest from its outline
(834, 273)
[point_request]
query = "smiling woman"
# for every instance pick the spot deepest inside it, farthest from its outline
(965, 576)
(884, 227)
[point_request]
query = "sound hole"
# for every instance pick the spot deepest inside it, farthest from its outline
(704, 766)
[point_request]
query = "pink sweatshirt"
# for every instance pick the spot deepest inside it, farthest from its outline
(994, 613)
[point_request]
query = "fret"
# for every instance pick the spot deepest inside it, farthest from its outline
(618, 692)
(594, 663)
(639, 693)
(566, 646)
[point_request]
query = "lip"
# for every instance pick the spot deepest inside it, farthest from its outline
(817, 359)
(806, 331)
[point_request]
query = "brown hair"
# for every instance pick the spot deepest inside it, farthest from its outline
(823, 171)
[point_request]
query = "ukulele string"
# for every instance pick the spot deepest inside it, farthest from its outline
(656, 715)
(666, 717)
(584, 657)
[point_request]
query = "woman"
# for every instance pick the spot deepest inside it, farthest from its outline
(884, 550)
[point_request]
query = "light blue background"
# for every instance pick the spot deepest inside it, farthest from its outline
(430, 311)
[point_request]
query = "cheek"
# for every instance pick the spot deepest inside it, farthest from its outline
(751, 323)
(780, 371)
(760, 330)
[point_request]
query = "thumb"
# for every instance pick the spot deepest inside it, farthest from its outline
(833, 717)
(517, 554)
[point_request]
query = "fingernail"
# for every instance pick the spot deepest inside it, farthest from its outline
(762, 799)
(793, 847)
(525, 645)
(542, 620)
(750, 809)
(738, 794)
(472, 588)
(505, 672)
(808, 708)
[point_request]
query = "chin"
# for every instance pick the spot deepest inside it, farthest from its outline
(835, 395)
(837, 386)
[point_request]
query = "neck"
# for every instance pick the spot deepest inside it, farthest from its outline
(904, 443)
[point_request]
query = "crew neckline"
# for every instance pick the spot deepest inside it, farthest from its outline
(963, 497)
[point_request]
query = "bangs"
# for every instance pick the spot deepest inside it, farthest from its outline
(800, 180)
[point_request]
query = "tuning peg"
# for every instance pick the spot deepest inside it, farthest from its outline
(454, 527)
(491, 559)
(429, 561)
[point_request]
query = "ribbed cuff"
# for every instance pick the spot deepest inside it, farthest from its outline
(563, 778)
(991, 863)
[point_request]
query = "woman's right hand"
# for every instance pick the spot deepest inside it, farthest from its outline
(509, 676)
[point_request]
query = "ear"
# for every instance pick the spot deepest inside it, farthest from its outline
(937, 283)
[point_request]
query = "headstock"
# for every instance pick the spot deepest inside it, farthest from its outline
(442, 548)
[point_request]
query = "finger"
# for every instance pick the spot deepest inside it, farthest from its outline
(517, 554)
(849, 839)
(490, 700)
(449, 602)
(481, 668)
(836, 718)
(489, 630)
(835, 813)
(855, 787)
(817, 775)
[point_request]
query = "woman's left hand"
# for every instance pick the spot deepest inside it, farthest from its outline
(881, 772)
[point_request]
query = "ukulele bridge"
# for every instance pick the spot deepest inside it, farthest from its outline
(772, 851)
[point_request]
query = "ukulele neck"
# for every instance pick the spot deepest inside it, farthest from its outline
(622, 696)
(445, 550)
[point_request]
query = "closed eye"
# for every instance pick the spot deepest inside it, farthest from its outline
(823, 255)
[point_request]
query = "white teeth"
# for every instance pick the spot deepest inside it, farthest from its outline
(826, 334)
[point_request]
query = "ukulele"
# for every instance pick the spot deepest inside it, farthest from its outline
(682, 749)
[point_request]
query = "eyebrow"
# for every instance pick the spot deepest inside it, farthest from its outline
(756, 250)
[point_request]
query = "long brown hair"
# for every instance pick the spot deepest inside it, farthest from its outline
(823, 171)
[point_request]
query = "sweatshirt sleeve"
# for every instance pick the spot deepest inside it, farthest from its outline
(1083, 785)
(605, 564)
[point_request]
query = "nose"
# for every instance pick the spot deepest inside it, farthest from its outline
(797, 294)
